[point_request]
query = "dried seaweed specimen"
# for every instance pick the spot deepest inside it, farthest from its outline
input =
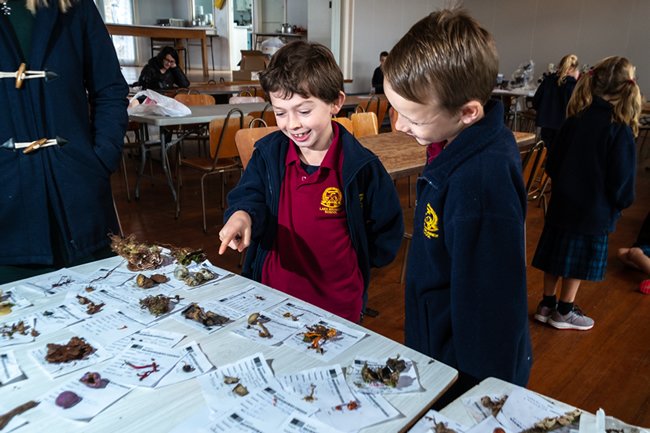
(230, 380)
(351, 406)
(67, 399)
(158, 304)
(185, 256)
(9, 330)
(4, 419)
(317, 336)
(548, 424)
(494, 405)
(153, 366)
(310, 398)
(91, 380)
(75, 349)
(440, 427)
(240, 390)
(91, 308)
(140, 257)
(208, 318)
(388, 374)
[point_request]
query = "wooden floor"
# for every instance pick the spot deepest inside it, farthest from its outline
(607, 367)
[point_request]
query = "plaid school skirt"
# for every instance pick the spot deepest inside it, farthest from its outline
(571, 255)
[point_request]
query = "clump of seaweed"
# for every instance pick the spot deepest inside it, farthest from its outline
(494, 405)
(91, 307)
(75, 349)
(548, 424)
(158, 304)
(140, 257)
(9, 330)
(388, 374)
(317, 336)
(206, 318)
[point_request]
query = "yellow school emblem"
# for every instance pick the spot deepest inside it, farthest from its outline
(332, 200)
(430, 223)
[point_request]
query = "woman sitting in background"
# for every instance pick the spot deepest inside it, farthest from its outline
(162, 72)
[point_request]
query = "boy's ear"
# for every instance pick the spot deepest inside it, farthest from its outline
(338, 103)
(471, 112)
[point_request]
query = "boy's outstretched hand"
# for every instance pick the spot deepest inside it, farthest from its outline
(236, 234)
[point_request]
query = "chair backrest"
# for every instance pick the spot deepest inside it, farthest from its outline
(377, 106)
(194, 99)
(393, 115)
(267, 114)
(532, 163)
(244, 99)
(364, 124)
(222, 134)
(246, 139)
(346, 123)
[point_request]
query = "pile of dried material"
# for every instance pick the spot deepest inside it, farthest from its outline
(317, 336)
(76, 349)
(140, 257)
(21, 328)
(207, 318)
(158, 304)
(494, 405)
(147, 282)
(388, 374)
(185, 256)
(91, 307)
(549, 424)
(4, 419)
(440, 427)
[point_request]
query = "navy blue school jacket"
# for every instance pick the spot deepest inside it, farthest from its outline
(592, 165)
(73, 180)
(551, 100)
(371, 203)
(466, 300)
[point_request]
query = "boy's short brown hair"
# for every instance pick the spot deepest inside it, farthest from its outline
(447, 56)
(303, 68)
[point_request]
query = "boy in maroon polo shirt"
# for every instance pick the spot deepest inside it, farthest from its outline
(317, 208)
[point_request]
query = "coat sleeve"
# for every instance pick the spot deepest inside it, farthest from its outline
(621, 169)
(146, 77)
(180, 79)
(250, 196)
(385, 222)
(107, 90)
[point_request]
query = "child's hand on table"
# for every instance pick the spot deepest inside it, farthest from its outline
(236, 234)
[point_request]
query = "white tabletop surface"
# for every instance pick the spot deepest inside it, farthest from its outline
(160, 410)
(200, 114)
(514, 92)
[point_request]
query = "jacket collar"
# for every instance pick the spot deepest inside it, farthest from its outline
(42, 35)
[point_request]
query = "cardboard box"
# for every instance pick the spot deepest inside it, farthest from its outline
(252, 62)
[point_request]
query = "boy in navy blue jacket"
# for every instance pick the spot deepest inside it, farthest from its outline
(466, 300)
(316, 207)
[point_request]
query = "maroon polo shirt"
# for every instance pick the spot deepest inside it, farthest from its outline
(434, 150)
(312, 257)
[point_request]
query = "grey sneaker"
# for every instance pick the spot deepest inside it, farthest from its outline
(574, 319)
(543, 313)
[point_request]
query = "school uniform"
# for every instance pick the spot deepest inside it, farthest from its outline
(592, 165)
(550, 101)
(466, 300)
(367, 196)
(64, 187)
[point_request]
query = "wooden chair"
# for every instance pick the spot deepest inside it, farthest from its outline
(244, 99)
(221, 159)
(377, 106)
(531, 166)
(245, 140)
(267, 114)
(346, 123)
(193, 99)
(392, 115)
(364, 124)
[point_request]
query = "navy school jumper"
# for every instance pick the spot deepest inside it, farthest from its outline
(371, 203)
(551, 100)
(466, 300)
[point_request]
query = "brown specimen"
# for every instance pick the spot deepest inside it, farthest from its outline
(140, 257)
(207, 318)
(75, 349)
(4, 419)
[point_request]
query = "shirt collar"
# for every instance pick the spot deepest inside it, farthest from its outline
(333, 159)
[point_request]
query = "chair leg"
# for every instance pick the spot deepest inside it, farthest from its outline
(126, 180)
(409, 191)
(223, 190)
(178, 190)
(119, 224)
(205, 227)
(402, 275)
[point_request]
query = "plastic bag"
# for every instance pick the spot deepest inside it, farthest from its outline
(157, 104)
(244, 99)
(271, 45)
(523, 77)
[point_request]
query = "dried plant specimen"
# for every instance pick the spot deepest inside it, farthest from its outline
(207, 318)
(230, 380)
(388, 374)
(548, 424)
(140, 257)
(317, 336)
(75, 349)
(91, 380)
(9, 330)
(240, 390)
(294, 318)
(253, 319)
(158, 304)
(310, 398)
(144, 281)
(4, 419)
(441, 427)
(185, 256)
(351, 406)
(91, 308)
(494, 405)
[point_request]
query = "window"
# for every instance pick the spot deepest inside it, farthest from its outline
(120, 12)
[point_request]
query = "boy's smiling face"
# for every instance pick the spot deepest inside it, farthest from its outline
(306, 121)
(426, 123)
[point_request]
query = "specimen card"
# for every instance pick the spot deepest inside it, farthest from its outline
(331, 347)
(297, 423)
(93, 400)
(56, 369)
(273, 406)
(194, 423)
(524, 408)
(217, 308)
(252, 373)
(479, 411)
(17, 331)
(408, 378)
(52, 319)
(110, 277)
(326, 386)
(278, 329)
(142, 364)
(370, 409)
(80, 302)
(106, 327)
(489, 425)
(150, 336)
(301, 313)
(9, 369)
(431, 419)
(58, 281)
(194, 363)
(234, 421)
(252, 299)
(14, 423)
(13, 299)
(134, 310)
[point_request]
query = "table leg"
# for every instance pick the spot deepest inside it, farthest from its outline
(204, 55)
(143, 155)
(164, 147)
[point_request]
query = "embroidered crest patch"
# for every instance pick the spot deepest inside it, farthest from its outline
(332, 201)
(430, 223)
